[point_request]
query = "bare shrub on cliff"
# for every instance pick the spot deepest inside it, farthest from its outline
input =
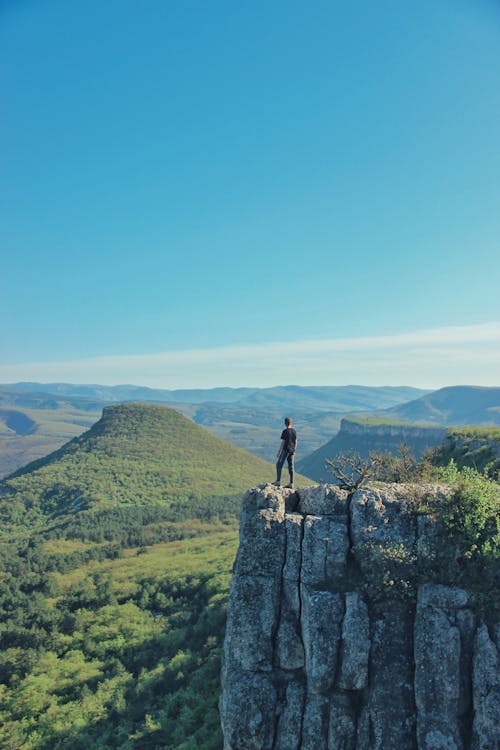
(399, 467)
(403, 467)
(350, 470)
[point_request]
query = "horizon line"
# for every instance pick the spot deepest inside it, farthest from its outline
(430, 356)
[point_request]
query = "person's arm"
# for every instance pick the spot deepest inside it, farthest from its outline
(282, 445)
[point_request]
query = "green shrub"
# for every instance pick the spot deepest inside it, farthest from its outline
(470, 517)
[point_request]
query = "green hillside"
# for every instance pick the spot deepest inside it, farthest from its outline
(112, 646)
(476, 447)
(114, 575)
(135, 455)
(36, 418)
(32, 426)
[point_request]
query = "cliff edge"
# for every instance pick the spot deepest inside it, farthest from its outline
(331, 645)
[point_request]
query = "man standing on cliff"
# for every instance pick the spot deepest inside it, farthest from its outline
(286, 452)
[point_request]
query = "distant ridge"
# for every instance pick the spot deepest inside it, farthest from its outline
(421, 424)
(457, 406)
(324, 398)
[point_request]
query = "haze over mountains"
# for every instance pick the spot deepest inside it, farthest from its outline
(454, 405)
(38, 418)
(324, 398)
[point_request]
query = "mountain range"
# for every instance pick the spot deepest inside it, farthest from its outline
(38, 418)
(453, 406)
(115, 564)
(323, 398)
(35, 421)
(421, 424)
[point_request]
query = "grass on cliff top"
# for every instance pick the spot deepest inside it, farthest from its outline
(475, 433)
(373, 420)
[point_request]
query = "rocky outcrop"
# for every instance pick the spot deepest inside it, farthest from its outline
(367, 438)
(403, 432)
(325, 649)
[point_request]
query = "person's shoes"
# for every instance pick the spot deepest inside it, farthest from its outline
(289, 486)
(277, 484)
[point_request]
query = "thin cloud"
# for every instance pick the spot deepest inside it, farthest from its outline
(428, 358)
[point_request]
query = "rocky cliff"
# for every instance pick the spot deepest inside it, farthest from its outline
(363, 438)
(328, 646)
(403, 432)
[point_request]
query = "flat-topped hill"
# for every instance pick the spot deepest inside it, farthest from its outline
(366, 435)
(135, 454)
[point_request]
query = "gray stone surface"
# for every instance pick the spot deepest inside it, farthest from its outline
(342, 724)
(322, 500)
(324, 551)
(289, 734)
(294, 529)
(251, 622)
(265, 531)
(315, 724)
(486, 692)
(380, 518)
(289, 644)
(320, 653)
(266, 497)
(322, 614)
(355, 646)
(390, 695)
(439, 693)
(247, 709)
(363, 730)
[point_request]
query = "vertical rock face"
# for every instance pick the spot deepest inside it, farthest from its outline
(316, 659)
(444, 628)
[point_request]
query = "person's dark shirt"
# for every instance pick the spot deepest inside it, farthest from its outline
(290, 437)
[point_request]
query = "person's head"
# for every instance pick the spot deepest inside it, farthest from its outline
(288, 421)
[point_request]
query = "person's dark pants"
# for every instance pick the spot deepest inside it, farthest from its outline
(285, 456)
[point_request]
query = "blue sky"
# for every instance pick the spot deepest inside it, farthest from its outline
(250, 193)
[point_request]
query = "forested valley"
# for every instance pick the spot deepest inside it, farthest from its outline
(114, 573)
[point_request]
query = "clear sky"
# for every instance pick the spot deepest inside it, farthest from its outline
(258, 192)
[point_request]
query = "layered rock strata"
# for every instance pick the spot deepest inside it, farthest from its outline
(324, 649)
